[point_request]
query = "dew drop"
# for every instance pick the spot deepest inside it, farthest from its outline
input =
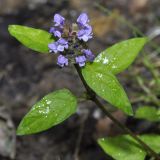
(40, 111)
(99, 75)
(102, 139)
(27, 128)
(98, 59)
(105, 60)
(119, 154)
(47, 110)
(114, 66)
(48, 102)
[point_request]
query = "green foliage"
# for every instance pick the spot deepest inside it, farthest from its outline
(106, 85)
(35, 39)
(118, 57)
(100, 74)
(51, 110)
(126, 148)
(149, 113)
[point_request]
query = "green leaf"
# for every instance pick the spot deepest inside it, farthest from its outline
(51, 110)
(99, 75)
(122, 148)
(106, 85)
(152, 140)
(126, 148)
(119, 56)
(35, 39)
(149, 113)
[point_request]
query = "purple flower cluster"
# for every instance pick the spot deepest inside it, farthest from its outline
(71, 41)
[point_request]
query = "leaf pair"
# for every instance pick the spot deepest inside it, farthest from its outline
(100, 75)
(126, 148)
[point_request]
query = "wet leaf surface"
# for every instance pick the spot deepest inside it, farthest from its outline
(106, 85)
(118, 57)
(126, 148)
(51, 110)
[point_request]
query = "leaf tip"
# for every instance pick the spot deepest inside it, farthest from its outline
(100, 140)
(19, 132)
(130, 111)
(22, 130)
(145, 39)
(11, 27)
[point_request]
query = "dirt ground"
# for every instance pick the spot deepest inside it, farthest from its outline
(26, 76)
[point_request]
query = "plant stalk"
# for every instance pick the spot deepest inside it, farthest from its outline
(94, 98)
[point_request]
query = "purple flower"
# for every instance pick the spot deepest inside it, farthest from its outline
(89, 55)
(82, 20)
(57, 32)
(58, 46)
(59, 20)
(53, 47)
(62, 61)
(85, 34)
(81, 60)
(62, 44)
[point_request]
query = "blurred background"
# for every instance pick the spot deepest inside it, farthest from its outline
(26, 76)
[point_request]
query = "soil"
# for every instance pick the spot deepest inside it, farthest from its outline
(26, 76)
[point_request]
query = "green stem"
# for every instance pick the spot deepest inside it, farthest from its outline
(94, 98)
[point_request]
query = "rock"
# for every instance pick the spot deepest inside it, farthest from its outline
(7, 135)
